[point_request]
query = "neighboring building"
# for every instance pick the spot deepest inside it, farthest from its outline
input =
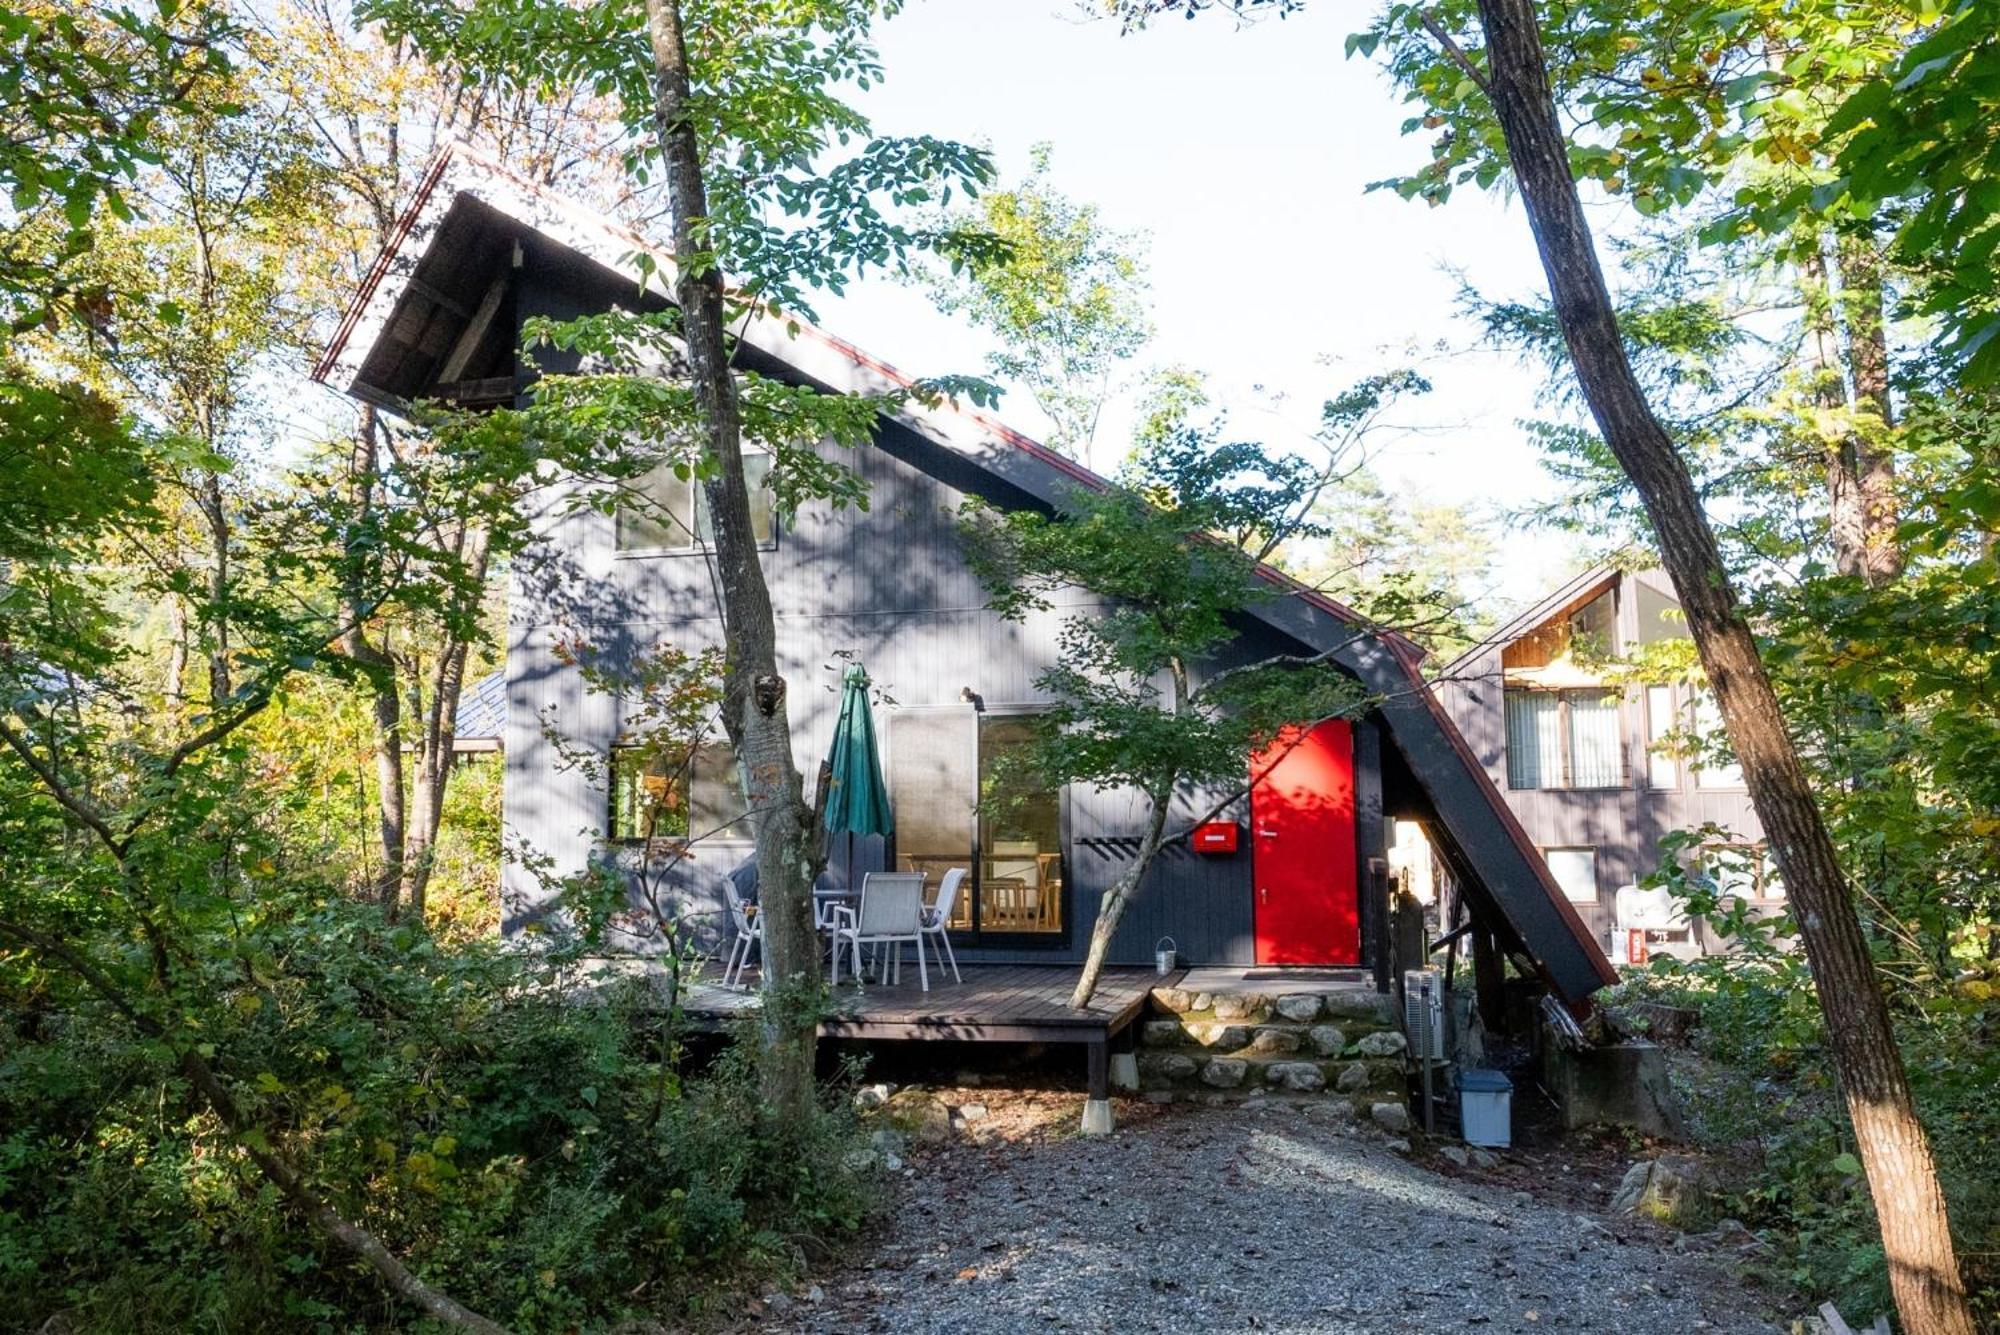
(480, 726)
(1305, 884)
(1598, 773)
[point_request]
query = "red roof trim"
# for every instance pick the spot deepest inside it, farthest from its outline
(373, 279)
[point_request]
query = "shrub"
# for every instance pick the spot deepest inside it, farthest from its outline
(524, 1140)
(1766, 1095)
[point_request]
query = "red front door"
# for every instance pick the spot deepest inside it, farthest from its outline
(1302, 862)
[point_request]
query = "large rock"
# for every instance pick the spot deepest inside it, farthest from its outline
(1384, 1043)
(1238, 1006)
(1299, 1007)
(1162, 1033)
(1222, 1037)
(1353, 1077)
(1674, 1189)
(1391, 1117)
(1176, 999)
(1327, 1039)
(1177, 1066)
(1299, 1077)
(1356, 1004)
(1273, 1040)
(1224, 1072)
(1624, 1084)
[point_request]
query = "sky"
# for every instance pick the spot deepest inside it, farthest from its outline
(1244, 153)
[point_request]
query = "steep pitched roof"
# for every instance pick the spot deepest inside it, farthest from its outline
(1476, 820)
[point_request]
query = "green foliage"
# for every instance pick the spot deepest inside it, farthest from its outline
(801, 197)
(1172, 549)
(82, 89)
(1918, 145)
(1065, 298)
(536, 1147)
(1760, 1092)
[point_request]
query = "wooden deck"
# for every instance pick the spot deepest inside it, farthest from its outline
(1018, 1003)
(1015, 1003)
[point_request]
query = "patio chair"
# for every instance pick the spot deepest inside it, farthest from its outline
(937, 922)
(748, 929)
(890, 912)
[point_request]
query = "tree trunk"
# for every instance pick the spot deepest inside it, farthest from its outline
(177, 657)
(754, 706)
(385, 706)
(1862, 299)
(434, 749)
(1111, 908)
(215, 515)
(1923, 1268)
(1846, 519)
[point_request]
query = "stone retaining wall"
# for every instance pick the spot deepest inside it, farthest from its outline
(1222, 1047)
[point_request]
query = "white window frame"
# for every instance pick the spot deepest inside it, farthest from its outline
(1564, 780)
(1595, 895)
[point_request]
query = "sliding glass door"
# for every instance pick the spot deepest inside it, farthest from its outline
(962, 799)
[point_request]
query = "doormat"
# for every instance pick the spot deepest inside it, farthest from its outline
(1347, 974)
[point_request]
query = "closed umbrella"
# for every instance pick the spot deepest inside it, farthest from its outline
(857, 801)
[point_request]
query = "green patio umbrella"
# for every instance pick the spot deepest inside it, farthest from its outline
(857, 801)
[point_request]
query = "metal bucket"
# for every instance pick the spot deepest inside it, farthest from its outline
(1163, 955)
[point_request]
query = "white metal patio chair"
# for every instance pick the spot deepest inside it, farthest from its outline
(747, 934)
(937, 920)
(890, 912)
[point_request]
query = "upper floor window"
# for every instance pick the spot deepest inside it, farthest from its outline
(663, 512)
(1683, 723)
(1564, 739)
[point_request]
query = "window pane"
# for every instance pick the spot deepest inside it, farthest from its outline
(1709, 730)
(1590, 627)
(645, 796)
(719, 807)
(1534, 740)
(1662, 770)
(656, 512)
(932, 753)
(1735, 871)
(757, 476)
(1020, 835)
(1575, 870)
(1594, 739)
(1770, 885)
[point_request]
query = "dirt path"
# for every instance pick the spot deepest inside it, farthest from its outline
(1274, 1218)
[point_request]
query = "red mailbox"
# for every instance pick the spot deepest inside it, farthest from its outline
(1216, 836)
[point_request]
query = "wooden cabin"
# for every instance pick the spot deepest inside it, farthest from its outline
(1304, 881)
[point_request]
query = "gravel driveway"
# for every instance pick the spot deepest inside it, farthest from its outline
(1275, 1218)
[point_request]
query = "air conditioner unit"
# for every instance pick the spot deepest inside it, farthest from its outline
(1423, 1012)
